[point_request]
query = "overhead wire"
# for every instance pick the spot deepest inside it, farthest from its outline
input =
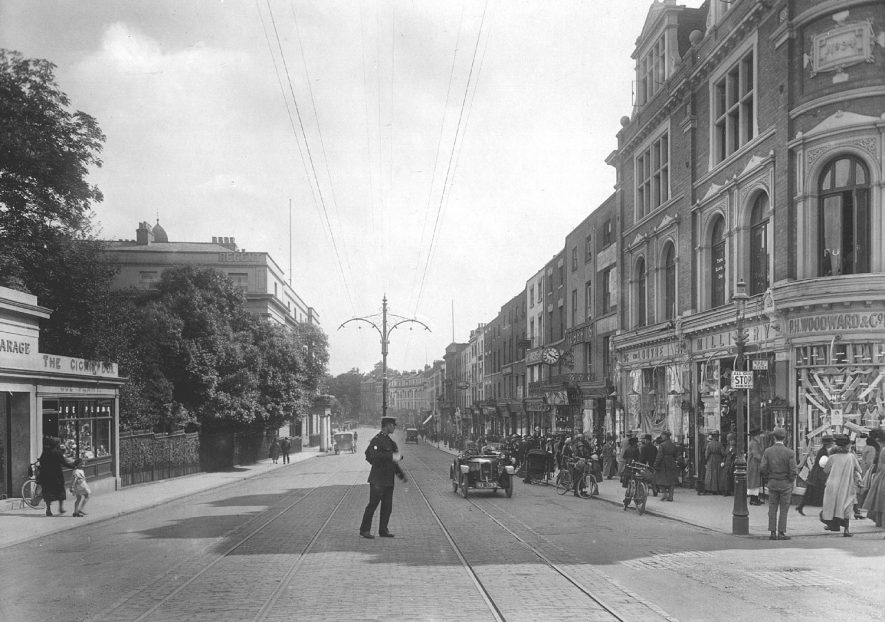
(315, 176)
(434, 236)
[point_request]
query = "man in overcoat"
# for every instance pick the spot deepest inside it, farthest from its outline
(666, 471)
(383, 454)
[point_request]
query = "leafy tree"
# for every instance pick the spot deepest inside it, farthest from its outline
(346, 388)
(46, 155)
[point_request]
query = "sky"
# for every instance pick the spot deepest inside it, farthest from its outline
(433, 152)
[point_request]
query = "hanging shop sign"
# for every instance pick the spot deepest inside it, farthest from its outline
(760, 364)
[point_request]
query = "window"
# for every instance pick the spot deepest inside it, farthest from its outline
(588, 298)
(540, 291)
(651, 71)
(844, 218)
(561, 277)
(759, 245)
(640, 293)
(669, 282)
(532, 330)
(240, 279)
(148, 280)
(588, 249)
(575, 320)
(607, 233)
(532, 296)
(561, 322)
(733, 109)
(717, 264)
(606, 357)
(653, 176)
(608, 290)
(574, 258)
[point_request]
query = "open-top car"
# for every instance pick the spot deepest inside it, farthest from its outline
(483, 472)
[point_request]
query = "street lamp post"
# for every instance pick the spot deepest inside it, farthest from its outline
(740, 516)
(385, 331)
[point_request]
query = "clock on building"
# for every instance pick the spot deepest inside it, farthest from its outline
(550, 356)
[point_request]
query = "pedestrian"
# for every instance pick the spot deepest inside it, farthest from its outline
(648, 455)
(274, 450)
(51, 477)
(840, 494)
(625, 443)
(609, 463)
(285, 446)
(714, 455)
(779, 466)
(730, 455)
(817, 477)
(754, 461)
(629, 455)
(383, 454)
(666, 471)
(869, 457)
(874, 503)
(80, 488)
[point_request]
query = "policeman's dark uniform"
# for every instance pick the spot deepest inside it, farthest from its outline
(379, 454)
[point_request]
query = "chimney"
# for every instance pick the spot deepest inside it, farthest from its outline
(144, 235)
(214, 240)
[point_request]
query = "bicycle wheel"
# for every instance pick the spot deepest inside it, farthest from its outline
(32, 494)
(563, 481)
(641, 496)
(592, 487)
(628, 496)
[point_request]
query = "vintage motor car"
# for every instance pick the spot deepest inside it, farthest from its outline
(482, 472)
(411, 435)
(343, 441)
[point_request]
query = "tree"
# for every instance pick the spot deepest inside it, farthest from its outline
(47, 152)
(346, 388)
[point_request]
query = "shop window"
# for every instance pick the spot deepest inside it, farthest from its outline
(640, 292)
(84, 427)
(717, 264)
(844, 218)
(669, 282)
(759, 259)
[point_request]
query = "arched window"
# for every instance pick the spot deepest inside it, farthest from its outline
(669, 282)
(844, 218)
(717, 263)
(640, 292)
(759, 280)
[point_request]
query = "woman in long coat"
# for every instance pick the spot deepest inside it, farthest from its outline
(714, 454)
(817, 478)
(754, 461)
(52, 477)
(840, 495)
(874, 504)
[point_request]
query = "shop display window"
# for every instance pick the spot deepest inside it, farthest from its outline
(84, 427)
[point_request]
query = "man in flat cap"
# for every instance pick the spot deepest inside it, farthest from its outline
(779, 466)
(383, 454)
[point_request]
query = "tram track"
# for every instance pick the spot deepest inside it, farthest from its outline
(615, 612)
(205, 567)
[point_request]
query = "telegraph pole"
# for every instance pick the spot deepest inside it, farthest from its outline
(384, 331)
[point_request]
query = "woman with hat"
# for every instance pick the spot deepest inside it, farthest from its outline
(714, 455)
(817, 478)
(840, 494)
(754, 462)
(874, 504)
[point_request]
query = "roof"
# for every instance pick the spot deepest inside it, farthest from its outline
(168, 247)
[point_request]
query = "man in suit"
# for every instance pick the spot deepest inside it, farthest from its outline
(779, 466)
(383, 454)
(648, 454)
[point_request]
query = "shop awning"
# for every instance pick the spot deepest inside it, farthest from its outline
(428, 419)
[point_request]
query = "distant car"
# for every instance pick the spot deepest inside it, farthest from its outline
(411, 435)
(343, 441)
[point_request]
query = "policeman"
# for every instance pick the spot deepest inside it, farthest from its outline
(383, 454)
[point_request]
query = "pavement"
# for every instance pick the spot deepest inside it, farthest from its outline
(714, 512)
(21, 524)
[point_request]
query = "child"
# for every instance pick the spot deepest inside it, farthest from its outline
(80, 488)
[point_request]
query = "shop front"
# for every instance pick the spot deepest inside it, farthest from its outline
(73, 399)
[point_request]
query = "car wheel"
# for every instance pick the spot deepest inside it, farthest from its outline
(464, 486)
(508, 488)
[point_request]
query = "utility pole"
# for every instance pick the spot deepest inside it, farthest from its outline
(384, 331)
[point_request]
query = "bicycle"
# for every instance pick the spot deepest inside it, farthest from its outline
(637, 488)
(32, 492)
(565, 481)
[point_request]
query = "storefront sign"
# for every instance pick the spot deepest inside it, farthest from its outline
(238, 257)
(556, 398)
(652, 353)
(533, 357)
(578, 335)
(760, 364)
(756, 333)
(826, 323)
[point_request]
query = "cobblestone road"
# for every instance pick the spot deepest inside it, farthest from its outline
(284, 546)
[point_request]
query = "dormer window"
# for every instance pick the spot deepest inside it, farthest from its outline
(651, 71)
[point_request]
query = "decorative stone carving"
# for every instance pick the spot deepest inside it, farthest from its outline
(844, 46)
